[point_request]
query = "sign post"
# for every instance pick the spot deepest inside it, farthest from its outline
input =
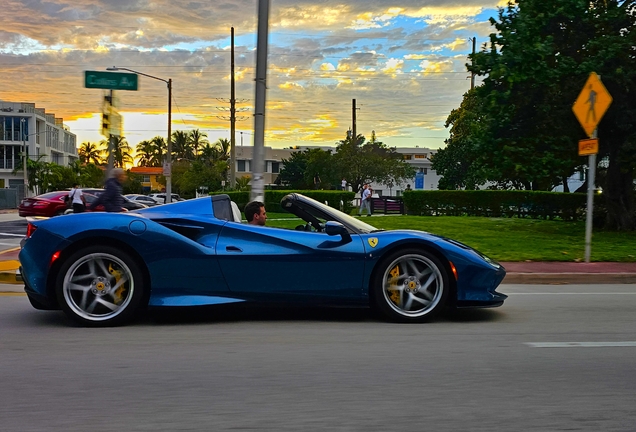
(589, 108)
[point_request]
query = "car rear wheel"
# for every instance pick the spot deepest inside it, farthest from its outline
(410, 286)
(100, 286)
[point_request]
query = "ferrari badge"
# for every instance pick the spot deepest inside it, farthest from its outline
(373, 241)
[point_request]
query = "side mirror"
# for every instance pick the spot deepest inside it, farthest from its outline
(334, 228)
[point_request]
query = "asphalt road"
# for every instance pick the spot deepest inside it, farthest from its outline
(11, 232)
(552, 358)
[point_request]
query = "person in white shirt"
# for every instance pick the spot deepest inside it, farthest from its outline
(365, 200)
(78, 201)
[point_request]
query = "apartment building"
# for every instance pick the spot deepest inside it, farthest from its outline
(22, 125)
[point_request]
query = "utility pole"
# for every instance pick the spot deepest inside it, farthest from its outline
(472, 75)
(258, 158)
(232, 116)
(354, 134)
(111, 142)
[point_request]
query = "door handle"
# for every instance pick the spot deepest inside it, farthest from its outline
(233, 249)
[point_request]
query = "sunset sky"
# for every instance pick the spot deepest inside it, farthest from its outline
(403, 62)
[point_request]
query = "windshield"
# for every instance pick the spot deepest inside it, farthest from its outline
(330, 213)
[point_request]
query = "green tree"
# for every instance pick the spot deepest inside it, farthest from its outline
(122, 152)
(534, 68)
(197, 140)
(360, 162)
(132, 183)
(293, 172)
(460, 163)
(145, 152)
(159, 149)
(181, 146)
(90, 153)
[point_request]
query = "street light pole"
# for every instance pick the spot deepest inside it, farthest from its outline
(168, 167)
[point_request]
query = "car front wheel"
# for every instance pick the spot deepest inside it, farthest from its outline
(100, 286)
(410, 286)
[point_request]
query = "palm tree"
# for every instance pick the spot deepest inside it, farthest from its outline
(223, 146)
(181, 148)
(208, 153)
(122, 152)
(197, 139)
(145, 152)
(89, 152)
(159, 150)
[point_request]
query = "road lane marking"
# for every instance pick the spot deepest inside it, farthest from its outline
(12, 235)
(579, 344)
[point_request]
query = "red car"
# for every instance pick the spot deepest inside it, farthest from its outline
(48, 204)
(52, 204)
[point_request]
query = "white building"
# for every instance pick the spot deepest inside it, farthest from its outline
(420, 158)
(22, 124)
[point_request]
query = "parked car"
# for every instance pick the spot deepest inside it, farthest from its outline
(143, 199)
(90, 199)
(160, 198)
(48, 205)
(193, 253)
(128, 204)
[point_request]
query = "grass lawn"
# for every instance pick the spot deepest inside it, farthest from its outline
(511, 239)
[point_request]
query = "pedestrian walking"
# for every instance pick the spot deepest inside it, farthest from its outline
(76, 197)
(365, 200)
(111, 198)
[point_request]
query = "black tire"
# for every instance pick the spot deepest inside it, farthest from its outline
(410, 286)
(100, 286)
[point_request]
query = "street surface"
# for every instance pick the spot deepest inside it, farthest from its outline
(554, 357)
(11, 232)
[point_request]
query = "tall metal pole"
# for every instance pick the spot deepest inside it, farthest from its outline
(232, 116)
(169, 156)
(258, 158)
(591, 181)
(354, 133)
(111, 143)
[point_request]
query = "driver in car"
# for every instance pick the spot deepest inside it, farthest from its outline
(255, 213)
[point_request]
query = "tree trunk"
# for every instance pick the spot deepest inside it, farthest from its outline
(566, 186)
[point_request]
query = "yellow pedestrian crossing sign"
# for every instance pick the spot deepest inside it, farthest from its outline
(592, 103)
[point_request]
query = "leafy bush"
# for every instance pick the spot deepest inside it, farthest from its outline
(536, 205)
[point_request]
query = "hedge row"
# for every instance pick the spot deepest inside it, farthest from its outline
(340, 200)
(490, 203)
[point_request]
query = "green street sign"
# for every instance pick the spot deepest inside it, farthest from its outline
(110, 80)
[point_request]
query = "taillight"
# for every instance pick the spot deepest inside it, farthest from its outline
(30, 230)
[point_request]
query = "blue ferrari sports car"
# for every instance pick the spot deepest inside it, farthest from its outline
(101, 269)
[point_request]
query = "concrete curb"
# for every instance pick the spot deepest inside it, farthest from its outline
(570, 278)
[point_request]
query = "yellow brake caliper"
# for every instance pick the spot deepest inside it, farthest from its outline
(393, 281)
(119, 292)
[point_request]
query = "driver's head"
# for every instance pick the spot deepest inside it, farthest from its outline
(255, 213)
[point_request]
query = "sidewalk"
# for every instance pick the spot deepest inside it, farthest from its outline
(569, 273)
